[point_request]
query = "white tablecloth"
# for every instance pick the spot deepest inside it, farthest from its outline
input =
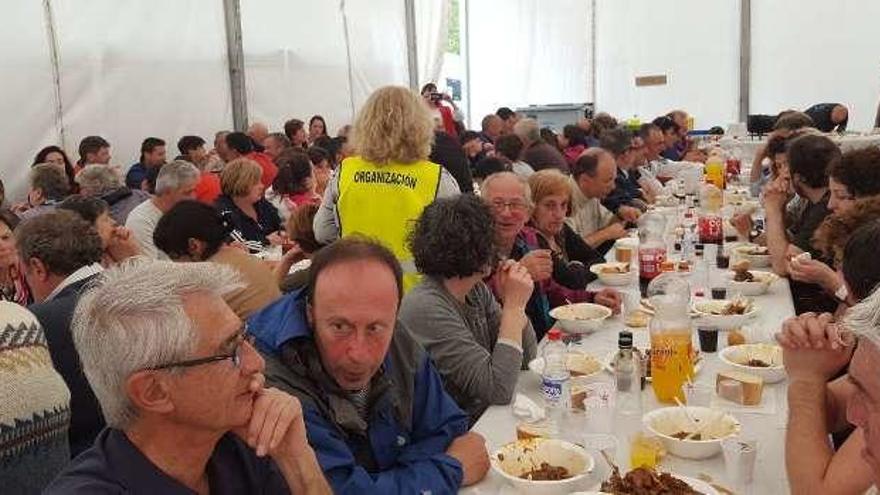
(745, 148)
(498, 424)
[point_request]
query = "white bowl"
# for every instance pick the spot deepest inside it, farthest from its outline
(613, 278)
(755, 260)
(759, 286)
(705, 308)
(580, 317)
(517, 458)
(667, 421)
(737, 356)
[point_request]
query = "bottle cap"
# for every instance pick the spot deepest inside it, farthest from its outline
(625, 339)
(554, 334)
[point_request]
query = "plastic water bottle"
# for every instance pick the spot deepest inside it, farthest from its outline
(554, 378)
(628, 376)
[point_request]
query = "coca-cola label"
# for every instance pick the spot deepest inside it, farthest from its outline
(650, 259)
(711, 230)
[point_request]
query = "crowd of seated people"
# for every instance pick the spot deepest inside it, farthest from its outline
(290, 312)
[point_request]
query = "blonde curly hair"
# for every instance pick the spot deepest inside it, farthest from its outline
(394, 125)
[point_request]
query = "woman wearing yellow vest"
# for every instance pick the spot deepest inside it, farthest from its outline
(382, 189)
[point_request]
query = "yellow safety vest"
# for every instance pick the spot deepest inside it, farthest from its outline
(384, 201)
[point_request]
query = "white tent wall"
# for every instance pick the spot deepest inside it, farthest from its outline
(157, 69)
(432, 28)
(694, 43)
(526, 52)
(815, 51)
(28, 102)
(296, 62)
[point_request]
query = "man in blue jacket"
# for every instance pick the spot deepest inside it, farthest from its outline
(374, 406)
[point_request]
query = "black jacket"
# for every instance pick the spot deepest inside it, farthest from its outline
(86, 420)
(447, 153)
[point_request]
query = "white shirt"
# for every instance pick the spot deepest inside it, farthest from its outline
(82, 273)
(142, 222)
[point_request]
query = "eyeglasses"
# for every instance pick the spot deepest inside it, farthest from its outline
(242, 337)
(515, 206)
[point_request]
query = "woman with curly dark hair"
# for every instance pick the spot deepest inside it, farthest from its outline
(855, 176)
(477, 345)
(854, 189)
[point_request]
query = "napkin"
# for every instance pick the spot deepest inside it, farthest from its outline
(527, 409)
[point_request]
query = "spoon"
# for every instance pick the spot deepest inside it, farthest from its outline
(694, 422)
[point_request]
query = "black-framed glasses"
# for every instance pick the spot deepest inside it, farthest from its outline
(242, 337)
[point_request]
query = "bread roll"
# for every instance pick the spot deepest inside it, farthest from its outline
(751, 387)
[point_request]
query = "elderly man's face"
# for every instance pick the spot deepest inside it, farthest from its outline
(273, 146)
(186, 191)
(217, 395)
(506, 196)
(353, 315)
(863, 409)
(602, 184)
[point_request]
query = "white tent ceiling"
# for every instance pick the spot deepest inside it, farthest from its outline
(127, 69)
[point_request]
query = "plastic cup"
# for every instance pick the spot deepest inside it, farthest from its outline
(740, 454)
(708, 338)
(719, 293)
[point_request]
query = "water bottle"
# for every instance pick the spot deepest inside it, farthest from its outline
(554, 378)
(628, 376)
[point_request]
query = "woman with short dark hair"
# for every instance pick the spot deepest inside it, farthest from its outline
(477, 345)
(194, 231)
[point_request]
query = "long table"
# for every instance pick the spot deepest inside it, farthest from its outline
(498, 424)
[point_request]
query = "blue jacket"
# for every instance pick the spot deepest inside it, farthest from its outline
(412, 420)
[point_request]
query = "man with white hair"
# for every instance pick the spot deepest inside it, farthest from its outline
(182, 390)
(536, 152)
(106, 183)
(176, 181)
(258, 131)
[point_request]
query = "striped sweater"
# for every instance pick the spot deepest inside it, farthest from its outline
(35, 405)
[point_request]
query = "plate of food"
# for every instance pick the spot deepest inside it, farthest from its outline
(677, 266)
(580, 317)
(764, 360)
(613, 273)
(578, 364)
(542, 465)
(725, 314)
(686, 439)
(647, 307)
(757, 256)
(646, 481)
(749, 282)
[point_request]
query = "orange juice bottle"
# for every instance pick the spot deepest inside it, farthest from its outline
(671, 346)
(715, 169)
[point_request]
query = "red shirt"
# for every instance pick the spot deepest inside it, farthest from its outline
(265, 162)
(208, 188)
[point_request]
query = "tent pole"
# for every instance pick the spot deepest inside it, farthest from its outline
(235, 57)
(412, 57)
(49, 19)
(745, 57)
